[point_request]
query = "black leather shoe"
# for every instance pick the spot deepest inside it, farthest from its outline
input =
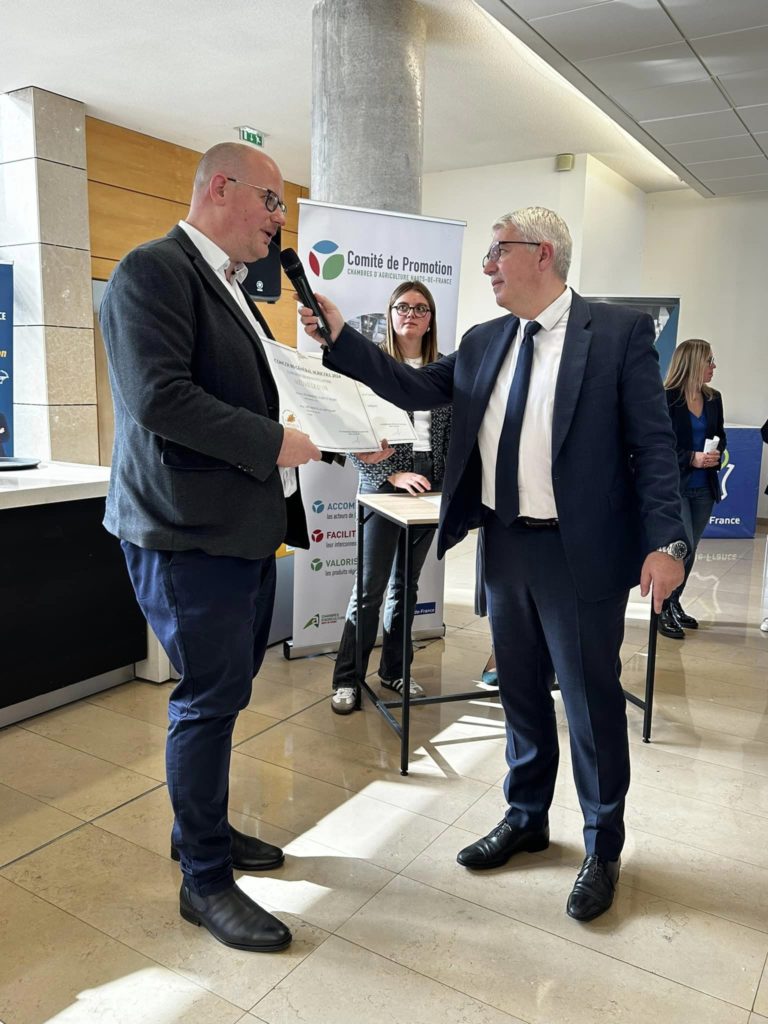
(248, 853)
(667, 625)
(502, 843)
(683, 620)
(234, 919)
(593, 891)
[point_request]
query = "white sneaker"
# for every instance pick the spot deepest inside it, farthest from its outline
(764, 624)
(397, 686)
(344, 700)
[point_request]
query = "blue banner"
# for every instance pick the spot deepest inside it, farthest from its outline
(6, 359)
(736, 514)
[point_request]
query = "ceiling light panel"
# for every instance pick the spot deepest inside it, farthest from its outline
(607, 29)
(672, 100)
(709, 17)
(714, 149)
(643, 69)
(696, 128)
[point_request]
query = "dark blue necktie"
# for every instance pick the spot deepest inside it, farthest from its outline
(508, 455)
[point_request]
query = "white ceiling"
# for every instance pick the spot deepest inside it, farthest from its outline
(688, 78)
(189, 71)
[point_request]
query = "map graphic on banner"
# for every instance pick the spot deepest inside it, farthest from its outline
(6, 359)
(356, 258)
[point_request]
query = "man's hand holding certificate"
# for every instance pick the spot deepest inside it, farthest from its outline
(339, 414)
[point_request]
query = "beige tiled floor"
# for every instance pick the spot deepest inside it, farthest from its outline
(388, 927)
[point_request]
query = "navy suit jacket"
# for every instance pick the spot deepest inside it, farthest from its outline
(196, 411)
(614, 467)
(681, 424)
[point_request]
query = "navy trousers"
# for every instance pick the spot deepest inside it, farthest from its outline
(212, 616)
(540, 628)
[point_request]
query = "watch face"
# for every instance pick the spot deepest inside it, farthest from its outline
(678, 549)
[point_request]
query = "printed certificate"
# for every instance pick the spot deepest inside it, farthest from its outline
(339, 414)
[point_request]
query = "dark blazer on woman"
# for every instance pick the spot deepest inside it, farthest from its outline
(681, 424)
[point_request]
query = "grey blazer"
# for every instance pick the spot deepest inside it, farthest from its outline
(196, 411)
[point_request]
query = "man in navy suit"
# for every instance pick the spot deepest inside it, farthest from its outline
(562, 450)
(203, 491)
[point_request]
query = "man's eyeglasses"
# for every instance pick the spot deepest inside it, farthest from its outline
(419, 310)
(494, 253)
(271, 201)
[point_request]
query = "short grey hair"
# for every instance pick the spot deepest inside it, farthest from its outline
(541, 225)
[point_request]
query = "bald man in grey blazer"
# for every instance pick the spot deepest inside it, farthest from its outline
(203, 491)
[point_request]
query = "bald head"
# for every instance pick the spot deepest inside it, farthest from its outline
(228, 199)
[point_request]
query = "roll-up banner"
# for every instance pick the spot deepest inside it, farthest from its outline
(6, 359)
(356, 258)
(736, 514)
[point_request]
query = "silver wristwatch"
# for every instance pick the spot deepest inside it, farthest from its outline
(678, 549)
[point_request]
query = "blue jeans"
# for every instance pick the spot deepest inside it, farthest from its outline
(212, 616)
(382, 572)
(697, 507)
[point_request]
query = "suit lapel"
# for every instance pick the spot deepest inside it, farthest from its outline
(485, 379)
(203, 268)
(571, 373)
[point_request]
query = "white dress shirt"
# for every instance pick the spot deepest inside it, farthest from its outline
(534, 473)
(422, 421)
(220, 263)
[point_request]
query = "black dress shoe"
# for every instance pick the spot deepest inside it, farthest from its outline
(501, 843)
(235, 919)
(667, 625)
(683, 620)
(248, 853)
(593, 891)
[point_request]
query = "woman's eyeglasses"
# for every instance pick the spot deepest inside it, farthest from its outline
(419, 310)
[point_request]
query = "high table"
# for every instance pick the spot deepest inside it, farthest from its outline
(416, 516)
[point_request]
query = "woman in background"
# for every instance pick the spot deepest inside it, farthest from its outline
(413, 468)
(696, 410)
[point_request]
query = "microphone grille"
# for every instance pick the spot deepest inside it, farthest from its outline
(291, 262)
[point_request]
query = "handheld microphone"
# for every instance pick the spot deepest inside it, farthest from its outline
(294, 270)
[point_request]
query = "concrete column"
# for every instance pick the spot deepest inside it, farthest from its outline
(44, 231)
(368, 103)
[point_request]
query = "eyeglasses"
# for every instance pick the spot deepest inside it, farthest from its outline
(711, 361)
(271, 201)
(419, 310)
(495, 252)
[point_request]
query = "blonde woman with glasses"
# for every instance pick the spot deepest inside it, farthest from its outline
(696, 410)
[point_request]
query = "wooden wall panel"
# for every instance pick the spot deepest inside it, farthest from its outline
(127, 159)
(101, 268)
(121, 219)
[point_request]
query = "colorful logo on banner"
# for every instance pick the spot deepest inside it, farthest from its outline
(736, 514)
(6, 359)
(325, 260)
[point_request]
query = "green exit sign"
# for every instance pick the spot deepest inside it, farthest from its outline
(252, 136)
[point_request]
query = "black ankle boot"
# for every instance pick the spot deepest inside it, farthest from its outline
(668, 625)
(684, 621)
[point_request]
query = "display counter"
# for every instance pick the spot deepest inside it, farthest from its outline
(69, 621)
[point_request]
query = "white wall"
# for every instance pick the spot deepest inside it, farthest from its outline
(613, 233)
(480, 196)
(711, 252)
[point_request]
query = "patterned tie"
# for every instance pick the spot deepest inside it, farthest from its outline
(508, 454)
